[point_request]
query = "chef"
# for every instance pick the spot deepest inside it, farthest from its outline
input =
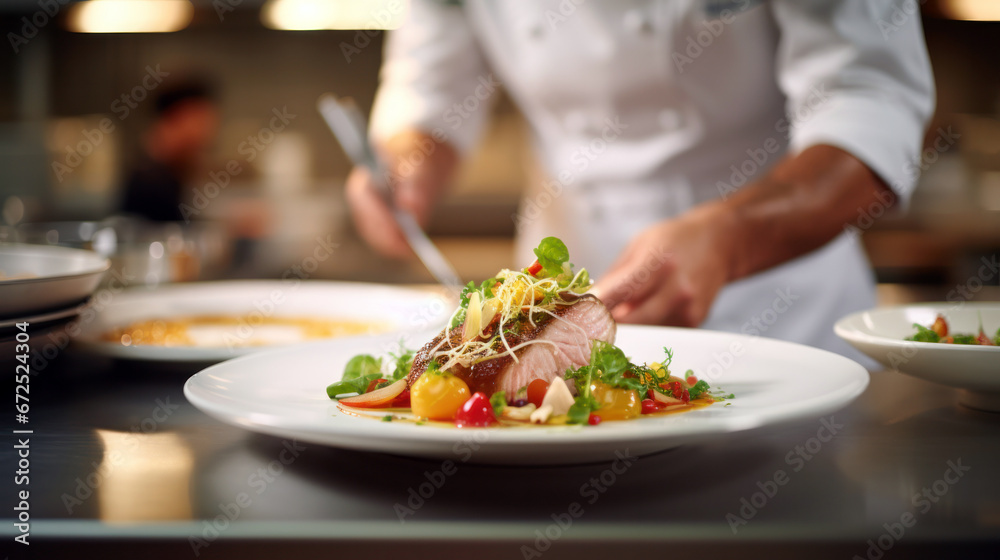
(706, 160)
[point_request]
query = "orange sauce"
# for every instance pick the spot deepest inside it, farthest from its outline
(405, 415)
(234, 330)
(679, 408)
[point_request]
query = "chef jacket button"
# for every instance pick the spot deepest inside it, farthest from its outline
(637, 22)
(670, 119)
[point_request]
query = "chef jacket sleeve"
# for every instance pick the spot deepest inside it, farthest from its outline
(434, 77)
(857, 76)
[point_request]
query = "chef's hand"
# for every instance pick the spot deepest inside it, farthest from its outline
(421, 167)
(671, 273)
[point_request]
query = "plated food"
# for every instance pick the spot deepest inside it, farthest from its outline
(220, 331)
(214, 321)
(547, 320)
(280, 392)
(887, 335)
(939, 332)
(524, 347)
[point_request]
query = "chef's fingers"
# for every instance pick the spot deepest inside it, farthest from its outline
(671, 303)
(630, 280)
(372, 217)
(413, 196)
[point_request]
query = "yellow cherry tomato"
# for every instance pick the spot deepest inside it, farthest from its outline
(438, 396)
(616, 404)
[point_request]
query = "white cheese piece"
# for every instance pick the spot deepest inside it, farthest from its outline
(541, 415)
(557, 401)
(519, 412)
(558, 396)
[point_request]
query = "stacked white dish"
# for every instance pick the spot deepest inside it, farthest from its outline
(43, 285)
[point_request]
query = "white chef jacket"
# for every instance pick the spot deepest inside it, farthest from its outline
(641, 109)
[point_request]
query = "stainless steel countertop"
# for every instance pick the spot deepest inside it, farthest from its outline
(121, 462)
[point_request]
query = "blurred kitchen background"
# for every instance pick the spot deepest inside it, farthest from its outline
(78, 90)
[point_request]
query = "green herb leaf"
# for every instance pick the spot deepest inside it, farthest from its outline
(466, 294)
(621, 381)
(579, 412)
(402, 362)
(963, 339)
(341, 389)
(552, 253)
(485, 290)
(458, 319)
(359, 372)
(434, 368)
(699, 389)
(924, 334)
(582, 377)
(584, 403)
(668, 358)
(486, 287)
(463, 304)
(361, 365)
(499, 402)
(615, 369)
(608, 358)
(609, 365)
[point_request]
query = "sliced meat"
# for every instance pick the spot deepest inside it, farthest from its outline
(566, 342)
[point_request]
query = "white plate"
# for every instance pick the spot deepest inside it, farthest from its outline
(9, 345)
(42, 318)
(879, 333)
(399, 309)
(60, 277)
(282, 393)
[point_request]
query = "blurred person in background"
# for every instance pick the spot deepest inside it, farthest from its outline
(704, 158)
(174, 146)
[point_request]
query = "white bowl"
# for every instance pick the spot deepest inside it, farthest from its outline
(55, 277)
(880, 334)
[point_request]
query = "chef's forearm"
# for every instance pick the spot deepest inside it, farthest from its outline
(803, 203)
